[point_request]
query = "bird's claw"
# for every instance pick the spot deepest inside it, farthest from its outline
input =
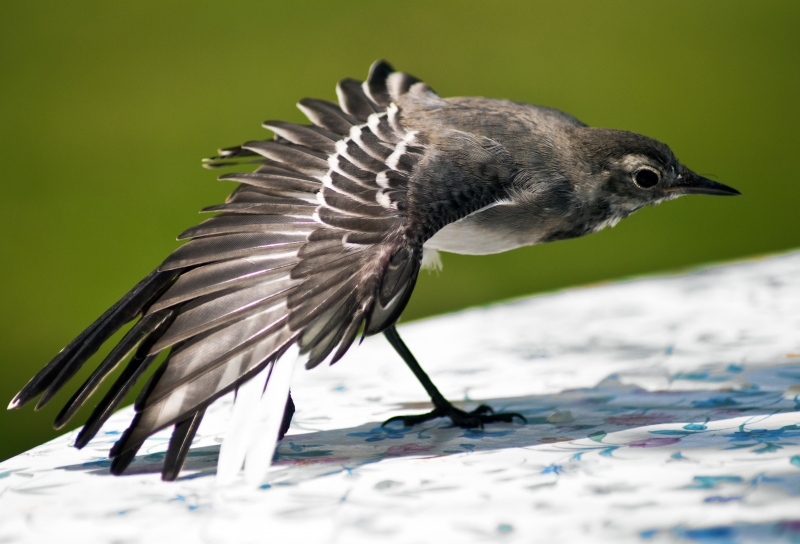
(477, 418)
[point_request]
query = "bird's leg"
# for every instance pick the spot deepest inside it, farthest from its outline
(442, 407)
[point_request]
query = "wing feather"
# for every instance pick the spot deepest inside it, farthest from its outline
(224, 275)
(354, 100)
(353, 152)
(375, 86)
(218, 348)
(242, 223)
(273, 177)
(327, 115)
(342, 184)
(231, 246)
(371, 144)
(310, 249)
(116, 394)
(353, 223)
(311, 137)
(179, 444)
(351, 332)
(139, 333)
(213, 311)
(268, 208)
(203, 388)
(302, 159)
(351, 206)
(339, 163)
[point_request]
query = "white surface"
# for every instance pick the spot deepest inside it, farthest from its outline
(660, 410)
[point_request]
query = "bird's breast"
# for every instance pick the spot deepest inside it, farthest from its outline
(473, 235)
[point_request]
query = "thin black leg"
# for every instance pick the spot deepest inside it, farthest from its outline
(442, 407)
(400, 347)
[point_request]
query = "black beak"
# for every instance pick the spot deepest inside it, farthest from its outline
(693, 184)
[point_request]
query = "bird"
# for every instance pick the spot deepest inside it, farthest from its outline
(322, 240)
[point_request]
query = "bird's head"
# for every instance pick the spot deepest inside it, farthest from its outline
(626, 171)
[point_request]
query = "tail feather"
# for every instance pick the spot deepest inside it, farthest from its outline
(243, 419)
(270, 410)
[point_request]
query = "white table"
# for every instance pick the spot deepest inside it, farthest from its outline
(658, 409)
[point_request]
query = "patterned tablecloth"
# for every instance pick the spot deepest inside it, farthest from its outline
(659, 410)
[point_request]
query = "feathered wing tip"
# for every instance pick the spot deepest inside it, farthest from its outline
(385, 86)
(69, 360)
(179, 444)
(375, 85)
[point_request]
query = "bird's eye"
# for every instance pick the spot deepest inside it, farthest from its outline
(646, 178)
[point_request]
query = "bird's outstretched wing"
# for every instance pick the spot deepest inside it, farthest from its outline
(308, 250)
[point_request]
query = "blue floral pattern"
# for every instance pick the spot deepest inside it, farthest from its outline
(658, 410)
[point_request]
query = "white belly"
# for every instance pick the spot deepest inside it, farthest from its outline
(473, 236)
(470, 239)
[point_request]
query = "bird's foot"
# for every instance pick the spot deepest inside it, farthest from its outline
(477, 418)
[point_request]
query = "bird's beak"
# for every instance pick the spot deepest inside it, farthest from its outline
(693, 184)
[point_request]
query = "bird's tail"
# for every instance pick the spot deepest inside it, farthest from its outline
(256, 422)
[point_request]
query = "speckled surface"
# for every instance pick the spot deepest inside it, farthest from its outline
(659, 410)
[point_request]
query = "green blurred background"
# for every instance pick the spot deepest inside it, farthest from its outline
(107, 107)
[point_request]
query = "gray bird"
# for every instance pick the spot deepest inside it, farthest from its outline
(325, 239)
